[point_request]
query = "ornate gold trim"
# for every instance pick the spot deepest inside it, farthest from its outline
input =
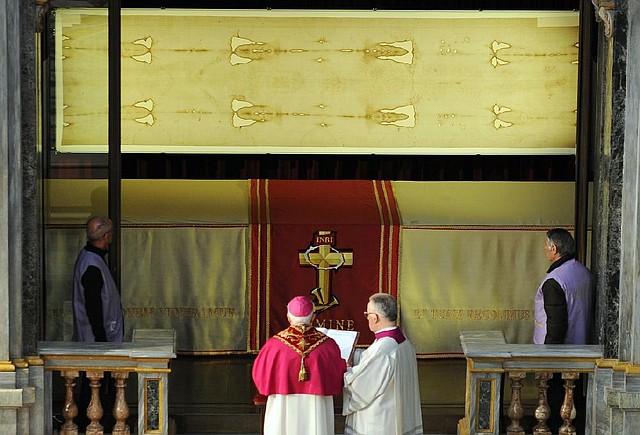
(67, 368)
(633, 369)
(482, 370)
(21, 364)
(34, 360)
(555, 359)
(606, 363)
(492, 382)
(88, 358)
(150, 370)
(7, 366)
(463, 426)
(434, 355)
(218, 353)
(148, 360)
(620, 366)
(497, 359)
(550, 369)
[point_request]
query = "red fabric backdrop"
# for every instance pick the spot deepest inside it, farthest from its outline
(359, 224)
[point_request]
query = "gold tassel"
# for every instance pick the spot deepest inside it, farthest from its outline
(302, 375)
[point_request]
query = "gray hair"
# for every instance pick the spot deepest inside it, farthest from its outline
(565, 245)
(386, 305)
(295, 320)
(97, 227)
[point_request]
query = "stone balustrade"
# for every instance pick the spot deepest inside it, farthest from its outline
(150, 362)
(489, 357)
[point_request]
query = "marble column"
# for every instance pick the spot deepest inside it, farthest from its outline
(619, 386)
(8, 418)
(607, 204)
(17, 395)
(31, 179)
(629, 344)
(8, 72)
(630, 247)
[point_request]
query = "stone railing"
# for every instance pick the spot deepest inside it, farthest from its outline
(150, 362)
(489, 357)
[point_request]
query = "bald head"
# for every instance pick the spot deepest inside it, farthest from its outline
(99, 230)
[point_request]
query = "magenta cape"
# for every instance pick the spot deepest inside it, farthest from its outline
(276, 369)
(396, 334)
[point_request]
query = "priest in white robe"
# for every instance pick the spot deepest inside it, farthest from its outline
(381, 394)
(300, 369)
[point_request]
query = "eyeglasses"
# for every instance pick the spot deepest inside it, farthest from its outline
(366, 314)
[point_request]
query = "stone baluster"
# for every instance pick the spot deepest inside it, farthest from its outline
(567, 412)
(94, 410)
(542, 412)
(69, 409)
(516, 411)
(120, 408)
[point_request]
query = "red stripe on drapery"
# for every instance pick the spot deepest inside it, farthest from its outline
(254, 268)
(390, 236)
(259, 262)
(394, 237)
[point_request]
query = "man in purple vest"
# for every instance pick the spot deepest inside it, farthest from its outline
(563, 313)
(564, 298)
(97, 311)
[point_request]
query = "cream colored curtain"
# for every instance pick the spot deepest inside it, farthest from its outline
(184, 257)
(193, 280)
(456, 279)
(471, 257)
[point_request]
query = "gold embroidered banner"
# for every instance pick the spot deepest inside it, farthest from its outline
(321, 81)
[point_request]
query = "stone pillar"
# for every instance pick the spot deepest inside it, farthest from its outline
(630, 248)
(617, 381)
(38, 418)
(628, 400)
(31, 179)
(608, 152)
(16, 392)
(8, 44)
(9, 78)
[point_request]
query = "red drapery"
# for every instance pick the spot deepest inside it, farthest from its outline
(334, 241)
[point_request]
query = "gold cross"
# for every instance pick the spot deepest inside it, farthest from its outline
(325, 258)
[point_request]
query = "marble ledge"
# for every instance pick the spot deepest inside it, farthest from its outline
(491, 344)
(555, 351)
(124, 350)
(533, 351)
